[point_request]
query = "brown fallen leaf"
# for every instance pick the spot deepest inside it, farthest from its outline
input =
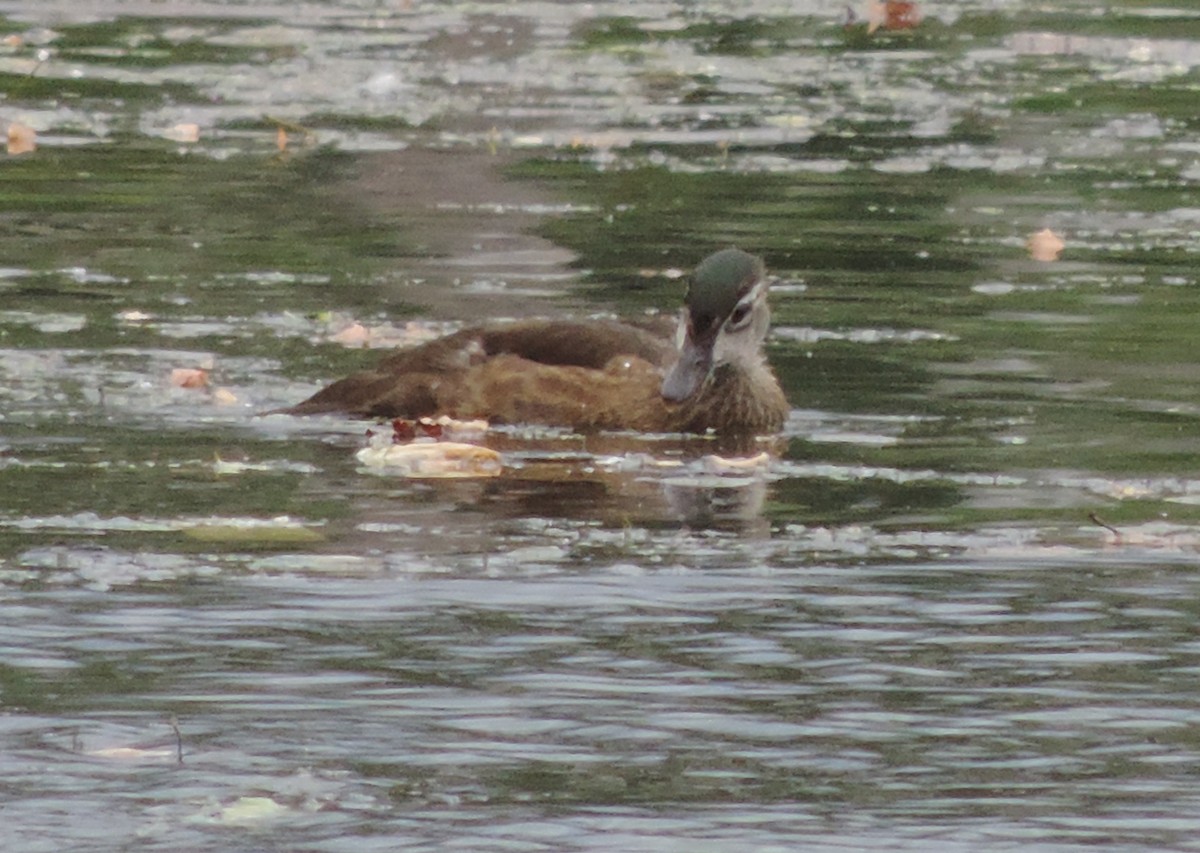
(189, 377)
(404, 429)
(890, 15)
(22, 139)
(1045, 245)
(430, 428)
(901, 15)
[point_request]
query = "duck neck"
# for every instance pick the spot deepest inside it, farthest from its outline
(737, 398)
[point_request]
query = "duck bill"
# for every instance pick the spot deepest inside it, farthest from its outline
(688, 374)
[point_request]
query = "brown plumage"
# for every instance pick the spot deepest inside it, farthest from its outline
(592, 375)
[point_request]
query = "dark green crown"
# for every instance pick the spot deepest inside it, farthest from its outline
(718, 283)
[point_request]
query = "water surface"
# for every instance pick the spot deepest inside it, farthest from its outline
(910, 630)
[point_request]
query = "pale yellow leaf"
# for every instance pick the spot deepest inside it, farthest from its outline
(433, 460)
(183, 132)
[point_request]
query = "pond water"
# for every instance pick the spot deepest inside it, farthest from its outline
(957, 609)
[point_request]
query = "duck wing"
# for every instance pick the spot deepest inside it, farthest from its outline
(423, 380)
(580, 344)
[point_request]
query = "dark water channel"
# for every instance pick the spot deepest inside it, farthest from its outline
(905, 632)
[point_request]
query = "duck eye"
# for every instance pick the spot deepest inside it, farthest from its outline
(739, 315)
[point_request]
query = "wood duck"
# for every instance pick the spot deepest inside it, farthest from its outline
(596, 375)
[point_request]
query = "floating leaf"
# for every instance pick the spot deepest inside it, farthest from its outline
(739, 465)
(189, 377)
(433, 460)
(1045, 245)
(224, 397)
(282, 129)
(430, 427)
(441, 427)
(133, 315)
(889, 15)
(404, 430)
(250, 810)
(901, 15)
(184, 132)
(259, 534)
(22, 139)
(354, 335)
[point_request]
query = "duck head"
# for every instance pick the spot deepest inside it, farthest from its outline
(723, 323)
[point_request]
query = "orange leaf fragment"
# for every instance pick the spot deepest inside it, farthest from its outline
(1045, 245)
(189, 377)
(892, 15)
(902, 15)
(281, 139)
(22, 139)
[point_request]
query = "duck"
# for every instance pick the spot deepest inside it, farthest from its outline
(711, 375)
